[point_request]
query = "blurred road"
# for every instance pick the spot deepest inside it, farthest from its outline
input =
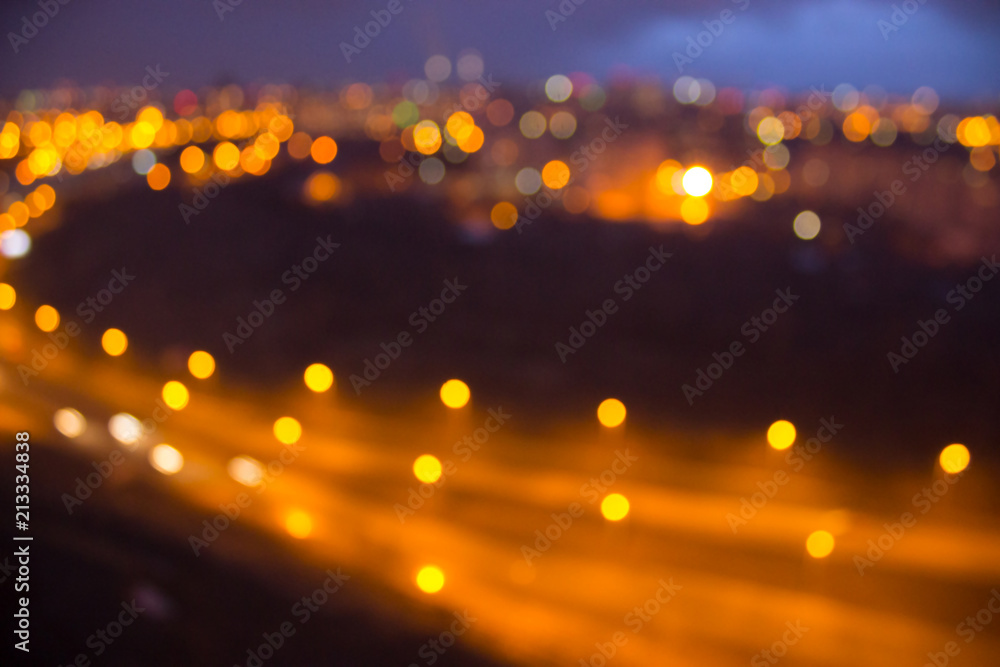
(732, 595)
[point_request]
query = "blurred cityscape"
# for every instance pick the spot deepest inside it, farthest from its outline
(455, 368)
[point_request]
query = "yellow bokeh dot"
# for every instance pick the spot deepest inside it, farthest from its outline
(744, 181)
(8, 295)
(503, 215)
(781, 434)
(697, 181)
(175, 395)
(41, 161)
(201, 364)
(665, 175)
(323, 150)
(114, 342)
(819, 544)
(426, 137)
(287, 430)
(192, 159)
(614, 507)
(694, 210)
(266, 146)
(142, 135)
(7, 222)
(47, 318)
(954, 458)
(427, 468)
(455, 393)
(299, 524)
(152, 116)
(430, 579)
(770, 131)
(318, 377)
(226, 156)
(555, 174)
(611, 412)
(976, 132)
(471, 140)
(459, 123)
(158, 177)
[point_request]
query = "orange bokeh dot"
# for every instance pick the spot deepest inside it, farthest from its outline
(323, 150)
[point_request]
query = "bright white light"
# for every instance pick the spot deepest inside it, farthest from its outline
(245, 470)
(166, 459)
(528, 181)
(14, 243)
(686, 90)
(558, 88)
(142, 161)
(125, 428)
(806, 225)
(697, 181)
(69, 422)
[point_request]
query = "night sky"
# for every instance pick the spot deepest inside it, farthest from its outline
(792, 44)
